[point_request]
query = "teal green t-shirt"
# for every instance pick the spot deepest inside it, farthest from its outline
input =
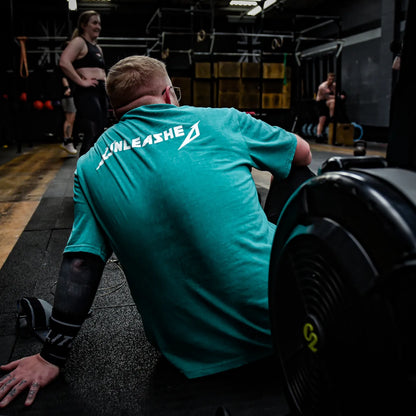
(170, 191)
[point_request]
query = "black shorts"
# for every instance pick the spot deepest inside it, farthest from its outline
(68, 105)
(323, 109)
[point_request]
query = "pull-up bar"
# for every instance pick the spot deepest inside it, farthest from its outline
(101, 38)
(252, 35)
(316, 17)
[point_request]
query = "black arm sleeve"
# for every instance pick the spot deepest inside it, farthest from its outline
(77, 285)
(281, 191)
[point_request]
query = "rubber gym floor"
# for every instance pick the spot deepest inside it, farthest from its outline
(112, 370)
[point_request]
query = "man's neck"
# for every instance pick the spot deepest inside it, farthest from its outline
(138, 102)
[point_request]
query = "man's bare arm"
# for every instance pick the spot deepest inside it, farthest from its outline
(303, 155)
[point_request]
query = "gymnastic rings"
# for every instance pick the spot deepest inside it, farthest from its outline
(165, 53)
(201, 35)
(24, 71)
(277, 43)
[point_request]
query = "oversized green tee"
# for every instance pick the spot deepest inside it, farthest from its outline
(170, 191)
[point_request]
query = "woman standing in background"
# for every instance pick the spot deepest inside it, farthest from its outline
(68, 107)
(82, 61)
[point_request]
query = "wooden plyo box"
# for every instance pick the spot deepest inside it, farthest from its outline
(229, 69)
(284, 101)
(229, 85)
(345, 134)
(202, 93)
(228, 99)
(287, 88)
(202, 70)
(206, 70)
(273, 70)
(271, 100)
(249, 93)
(250, 70)
(249, 100)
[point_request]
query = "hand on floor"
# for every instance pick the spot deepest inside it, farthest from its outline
(31, 373)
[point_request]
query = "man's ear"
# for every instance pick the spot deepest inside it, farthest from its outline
(167, 96)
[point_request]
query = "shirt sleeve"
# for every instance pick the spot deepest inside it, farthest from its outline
(86, 235)
(271, 148)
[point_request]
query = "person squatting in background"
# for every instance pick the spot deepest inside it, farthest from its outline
(82, 61)
(326, 100)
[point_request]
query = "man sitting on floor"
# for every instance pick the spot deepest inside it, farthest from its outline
(169, 190)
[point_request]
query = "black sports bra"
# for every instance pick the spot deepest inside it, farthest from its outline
(92, 59)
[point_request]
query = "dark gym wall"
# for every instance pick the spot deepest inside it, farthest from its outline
(368, 28)
(366, 65)
(367, 71)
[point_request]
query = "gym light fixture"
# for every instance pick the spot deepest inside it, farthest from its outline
(243, 3)
(256, 10)
(72, 5)
(269, 3)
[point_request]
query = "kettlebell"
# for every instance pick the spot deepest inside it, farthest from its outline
(360, 148)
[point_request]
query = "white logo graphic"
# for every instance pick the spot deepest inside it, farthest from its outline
(189, 137)
(150, 140)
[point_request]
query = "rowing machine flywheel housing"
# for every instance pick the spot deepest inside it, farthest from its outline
(342, 290)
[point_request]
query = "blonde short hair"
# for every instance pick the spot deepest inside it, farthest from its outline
(131, 77)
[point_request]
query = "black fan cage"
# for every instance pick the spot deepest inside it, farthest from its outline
(340, 351)
(313, 294)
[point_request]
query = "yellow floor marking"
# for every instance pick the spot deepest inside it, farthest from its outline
(23, 181)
